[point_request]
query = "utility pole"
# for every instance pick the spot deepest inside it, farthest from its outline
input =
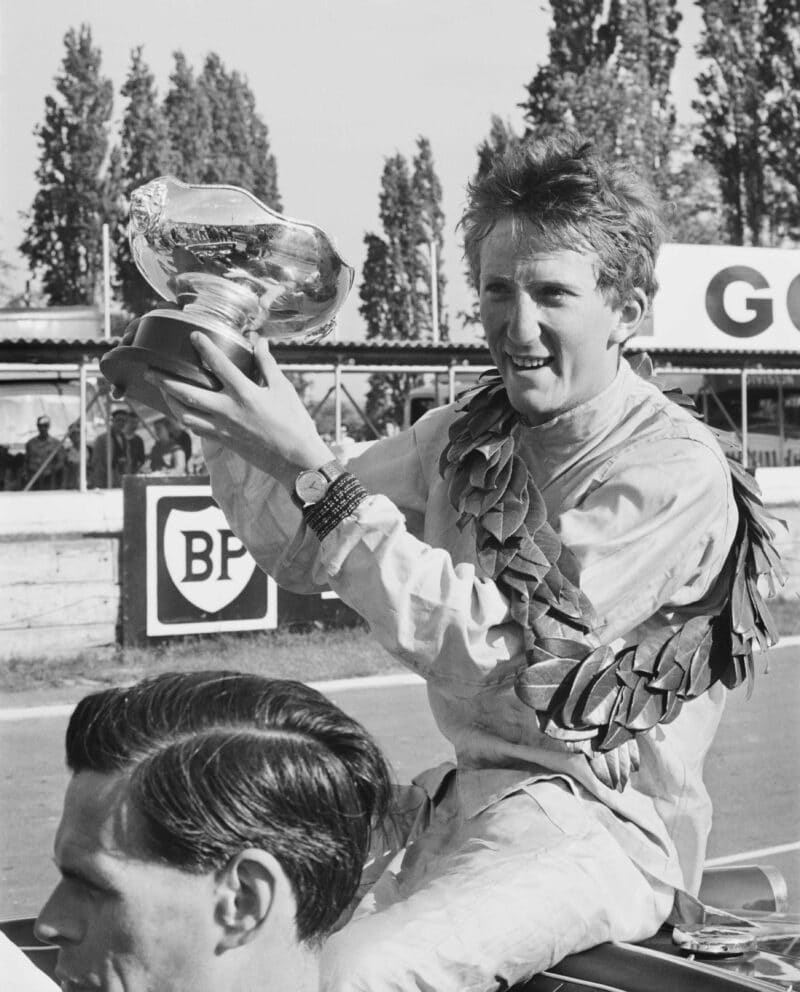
(434, 292)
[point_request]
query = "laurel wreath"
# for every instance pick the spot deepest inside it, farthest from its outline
(593, 699)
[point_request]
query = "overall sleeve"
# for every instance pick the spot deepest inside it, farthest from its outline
(263, 516)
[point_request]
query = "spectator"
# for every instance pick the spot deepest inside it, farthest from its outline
(119, 453)
(135, 455)
(44, 458)
(213, 834)
(182, 436)
(5, 467)
(167, 455)
(72, 457)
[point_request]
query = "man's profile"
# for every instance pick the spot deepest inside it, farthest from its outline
(213, 833)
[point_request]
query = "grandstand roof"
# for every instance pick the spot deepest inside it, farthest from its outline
(377, 352)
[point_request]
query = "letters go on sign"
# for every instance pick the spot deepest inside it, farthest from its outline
(200, 578)
(719, 297)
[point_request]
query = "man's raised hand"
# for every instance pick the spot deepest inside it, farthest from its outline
(266, 425)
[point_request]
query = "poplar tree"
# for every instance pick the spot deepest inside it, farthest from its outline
(750, 111)
(215, 132)
(144, 154)
(239, 151)
(730, 105)
(396, 298)
(781, 67)
(426, 192)
(63, 237)
(608, 76)
(188, 122)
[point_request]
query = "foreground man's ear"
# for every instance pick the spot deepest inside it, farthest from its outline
(252, 892)
(629, 317)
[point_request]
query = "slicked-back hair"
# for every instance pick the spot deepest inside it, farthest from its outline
(562, 195)
(222, 761)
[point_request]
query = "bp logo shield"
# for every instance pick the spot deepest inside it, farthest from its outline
(200, 578)
(208, 565)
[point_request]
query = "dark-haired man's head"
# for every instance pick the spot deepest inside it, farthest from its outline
(213, 833)
(562, 246)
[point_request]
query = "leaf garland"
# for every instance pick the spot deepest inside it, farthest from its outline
(584, 694)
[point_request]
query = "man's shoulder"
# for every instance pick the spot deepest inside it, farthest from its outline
(432, 431)
(663, 440)
(654, 416)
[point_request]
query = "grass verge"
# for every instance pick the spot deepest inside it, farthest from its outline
(310, 654)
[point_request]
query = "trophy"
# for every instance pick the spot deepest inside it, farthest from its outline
(233, 266)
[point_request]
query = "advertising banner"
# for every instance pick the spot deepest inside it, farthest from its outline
(726, 297)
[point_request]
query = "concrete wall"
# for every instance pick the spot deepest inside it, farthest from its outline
(781, 491)
(60, 571)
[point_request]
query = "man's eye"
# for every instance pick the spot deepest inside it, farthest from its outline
(495, 288)
(84, 885)
(552, 293)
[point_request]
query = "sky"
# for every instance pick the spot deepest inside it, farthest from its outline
(341, 85)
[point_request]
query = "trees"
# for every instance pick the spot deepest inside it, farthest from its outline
(608, 75)
(750, 111)
(188, 122)
(396, 297)
(76, 195)
(215, 132)
(206, 130)
(144, 154)
(781, 68)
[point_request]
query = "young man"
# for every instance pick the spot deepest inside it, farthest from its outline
(213, 832)
(559, 598)
(117, 440)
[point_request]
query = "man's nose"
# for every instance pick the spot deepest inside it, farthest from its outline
(56, 923)
(523, 325)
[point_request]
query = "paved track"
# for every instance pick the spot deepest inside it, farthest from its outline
(752, 774)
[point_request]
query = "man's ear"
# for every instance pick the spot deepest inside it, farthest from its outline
(251, 890)
(629, 317)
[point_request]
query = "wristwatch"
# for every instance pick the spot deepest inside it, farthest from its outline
(311, 485)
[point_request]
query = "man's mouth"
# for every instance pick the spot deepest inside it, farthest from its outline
(530, 362)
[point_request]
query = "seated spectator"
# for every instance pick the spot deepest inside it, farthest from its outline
(167, 455)
(135, 450)
(43, 458)
(213, 833)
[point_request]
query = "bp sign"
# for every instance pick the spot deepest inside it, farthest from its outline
(195, 575)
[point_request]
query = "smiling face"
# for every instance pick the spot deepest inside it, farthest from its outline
(552, 333)
(123, 923)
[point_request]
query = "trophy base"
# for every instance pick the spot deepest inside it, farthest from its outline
(161, 343)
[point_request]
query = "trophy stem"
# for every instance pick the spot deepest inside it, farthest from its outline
(232, 309)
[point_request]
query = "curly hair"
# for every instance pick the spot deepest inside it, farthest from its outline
(221, 761)
(561, 193)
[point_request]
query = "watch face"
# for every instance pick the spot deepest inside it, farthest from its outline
(311, 486)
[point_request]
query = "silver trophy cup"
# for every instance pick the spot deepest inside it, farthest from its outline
(233, 266)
